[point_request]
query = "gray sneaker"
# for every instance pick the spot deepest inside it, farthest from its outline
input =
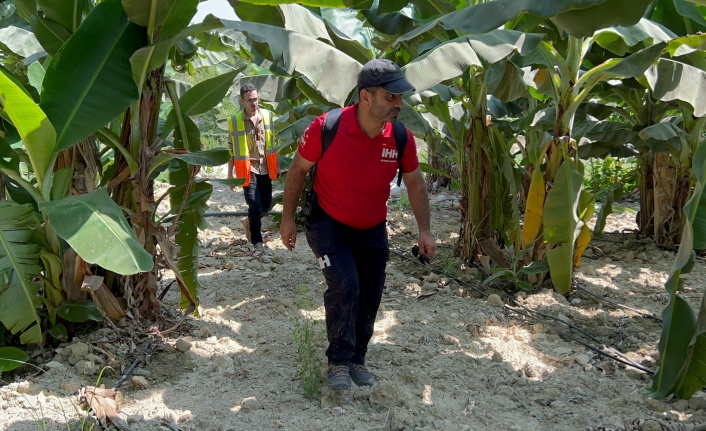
(360, 375)
(338, 378)
(246, 227)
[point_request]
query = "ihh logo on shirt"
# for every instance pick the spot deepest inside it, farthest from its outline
(389, 155)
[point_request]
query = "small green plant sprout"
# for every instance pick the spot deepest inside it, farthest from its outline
(402, 202)
(309, 335)
(449, 265)
(516, 272)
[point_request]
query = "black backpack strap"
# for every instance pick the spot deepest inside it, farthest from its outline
(328, 132)
(400, 133)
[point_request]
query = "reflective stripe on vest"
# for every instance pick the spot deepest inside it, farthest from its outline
(240, 151)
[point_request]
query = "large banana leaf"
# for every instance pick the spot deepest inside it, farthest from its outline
(163, 19)
(89, 81)
(67, 13)
(332, 72)
(92, 221)
(301, 20)
(354, 4)
(453, 58)
(584, 22)
(37, 133)
(348, 34)
(19, 263)
(681, 345)
(621, 40)
(673, 80)
(562, 224)
(50, 34)
(561, 219)
(488, 16)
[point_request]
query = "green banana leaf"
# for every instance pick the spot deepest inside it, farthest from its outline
(49, 34)
(673, 80)
(353, 4)
(561, 219)
(19, 262)
(26, 8)
(89, 81)
(212, 157)
(163, 19)
(67, 13)
(35, 76)
(348, 34)
(584, 22)
(301, 20)
(191, 219)
(333, 73)
(488, 16)
(561, 264)
(89, 222)
(11, 358)
(623, 40)
(79, 311)
(200, 98)
(37, 133)
(562, 224)
(681, 16)
(686, 45)
(453, 58)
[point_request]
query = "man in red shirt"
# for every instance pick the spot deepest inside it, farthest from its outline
(347, 229)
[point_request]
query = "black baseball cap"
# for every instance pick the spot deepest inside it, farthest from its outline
(384, 73)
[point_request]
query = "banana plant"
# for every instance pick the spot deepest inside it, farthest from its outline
(117, 99)
(682, 344)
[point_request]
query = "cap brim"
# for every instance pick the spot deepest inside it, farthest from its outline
(398, 86)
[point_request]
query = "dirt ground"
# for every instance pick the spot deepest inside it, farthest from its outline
(445, 354)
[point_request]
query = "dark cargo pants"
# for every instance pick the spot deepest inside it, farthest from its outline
(353, 262)
(258, 196)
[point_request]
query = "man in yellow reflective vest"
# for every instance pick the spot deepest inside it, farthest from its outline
(254, 159)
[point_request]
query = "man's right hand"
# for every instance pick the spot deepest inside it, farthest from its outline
(288, 233)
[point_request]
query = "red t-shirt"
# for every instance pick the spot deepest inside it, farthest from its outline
(353, 178)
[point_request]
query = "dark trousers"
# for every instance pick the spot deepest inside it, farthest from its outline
(353, 262)
(258, 196)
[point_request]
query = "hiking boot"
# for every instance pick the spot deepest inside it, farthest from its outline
(360, 375)
(245, 223)
(261, 253)
(338, 378)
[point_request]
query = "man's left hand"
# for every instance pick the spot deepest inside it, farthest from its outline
(427, 245)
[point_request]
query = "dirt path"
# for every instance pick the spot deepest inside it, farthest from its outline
(445, 356)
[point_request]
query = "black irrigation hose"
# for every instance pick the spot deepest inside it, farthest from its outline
(225, 214)
(618, 305)
(622, 358)
(141, 358)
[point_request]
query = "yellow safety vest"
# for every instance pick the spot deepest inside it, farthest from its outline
(239, 146)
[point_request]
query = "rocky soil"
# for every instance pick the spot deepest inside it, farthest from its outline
(448, 352)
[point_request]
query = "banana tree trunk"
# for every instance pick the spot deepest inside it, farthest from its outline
(139, 133)
(646, 185)
(475, 183)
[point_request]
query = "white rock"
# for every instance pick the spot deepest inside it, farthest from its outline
(249, 404)
(131, 419)
(182, 345)
(495, 301)
(54, 365)
(139, 382)
(582, 359)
